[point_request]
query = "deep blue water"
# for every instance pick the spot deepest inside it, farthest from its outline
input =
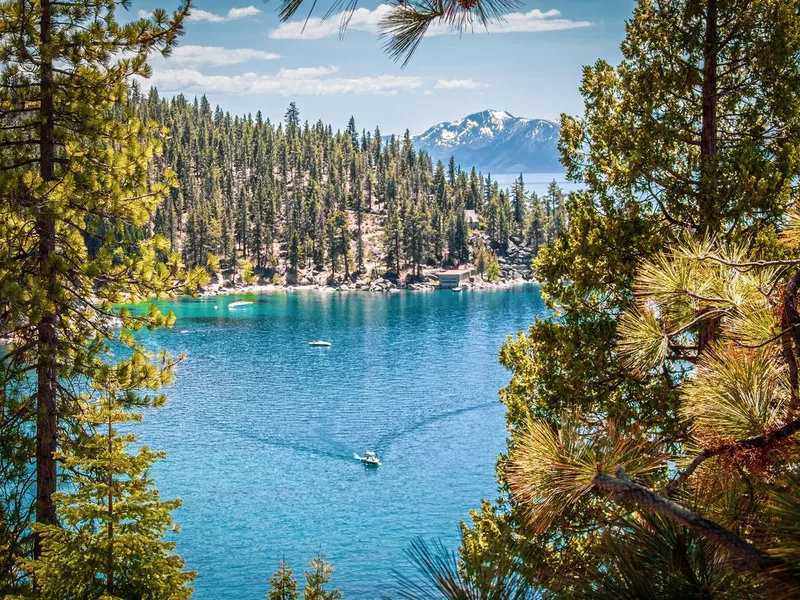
(260, 429)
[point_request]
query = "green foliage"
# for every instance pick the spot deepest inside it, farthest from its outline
(439, 574)
(642, 133)
(657, 167)
(212, 263)
(247, 274)
(651, 557)
(492, 268)
(109, 541)
(308, 197)
(316, 579)
(77, 187)
(282, 585)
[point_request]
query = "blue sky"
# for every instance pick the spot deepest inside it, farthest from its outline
(244, 59)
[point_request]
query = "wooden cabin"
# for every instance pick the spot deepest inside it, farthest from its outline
(453, 278)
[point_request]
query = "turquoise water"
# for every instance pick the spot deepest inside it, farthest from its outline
(260, 429)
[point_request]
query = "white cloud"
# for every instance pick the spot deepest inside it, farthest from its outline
(428, 93)
(316, 28)
(459, 84)
(533, 21)
(241, 13)
(212, 56)
(309, 81)
(144, 14)
(363, 19)
(234, 14)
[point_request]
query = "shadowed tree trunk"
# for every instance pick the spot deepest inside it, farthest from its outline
(708, 131)
(709, 210)
(46, 421)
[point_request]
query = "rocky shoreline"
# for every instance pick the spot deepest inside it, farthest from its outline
(379, 285)
(514, 266)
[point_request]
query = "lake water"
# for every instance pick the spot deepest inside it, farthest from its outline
(260, 429)
(536, 182)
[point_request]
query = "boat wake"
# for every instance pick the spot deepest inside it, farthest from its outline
(341, 451)
(389, 438)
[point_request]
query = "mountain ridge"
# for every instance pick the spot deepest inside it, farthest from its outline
(494, 140)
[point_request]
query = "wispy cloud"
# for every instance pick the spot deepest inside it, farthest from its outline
(316, 28)
(308, 81)
(459, 84)
(428, 93)
(212, 56)
(533, 21)
(233, 14)
(198, 14)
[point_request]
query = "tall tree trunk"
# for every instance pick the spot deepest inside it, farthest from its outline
(360, 244)
(708, 133)
(710, 218)
(46, 421)
(110, 556)
(345, 249)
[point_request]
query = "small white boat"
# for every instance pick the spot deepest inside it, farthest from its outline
(459, 288)
(319, 343)
(239, 303)
(370, 459)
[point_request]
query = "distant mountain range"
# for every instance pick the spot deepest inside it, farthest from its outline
(495, 141)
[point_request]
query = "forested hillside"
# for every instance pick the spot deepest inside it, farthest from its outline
(292, 198)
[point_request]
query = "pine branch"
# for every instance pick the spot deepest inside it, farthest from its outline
(746, 555)
(751, 443)
(749, 265)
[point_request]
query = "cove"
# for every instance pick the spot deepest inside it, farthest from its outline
(260, 429)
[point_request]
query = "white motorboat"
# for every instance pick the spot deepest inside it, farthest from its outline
(369, 459)
(239, 303)
(319, 343)
(459, 288)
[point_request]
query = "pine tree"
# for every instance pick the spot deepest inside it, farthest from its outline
(74, 188)
(108, 542)
(316, 578)
(537, 226)
(282, 585)
(461, 239)
(519, 204)
(248, 187)
(393, 236)
(292, 119)
(690, 134)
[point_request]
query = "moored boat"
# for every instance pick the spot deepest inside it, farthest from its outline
(319, 343)
(239, 303)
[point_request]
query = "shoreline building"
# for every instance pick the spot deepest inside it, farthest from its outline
(453, 278)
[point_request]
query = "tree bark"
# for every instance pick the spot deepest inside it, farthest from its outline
(790, 340)
(709, 217)
(46, 369)
(709, 211)
(110, 557)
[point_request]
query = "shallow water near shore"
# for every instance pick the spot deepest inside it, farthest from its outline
(260, 429)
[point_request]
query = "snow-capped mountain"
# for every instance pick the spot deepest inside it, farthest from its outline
(495, 141)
